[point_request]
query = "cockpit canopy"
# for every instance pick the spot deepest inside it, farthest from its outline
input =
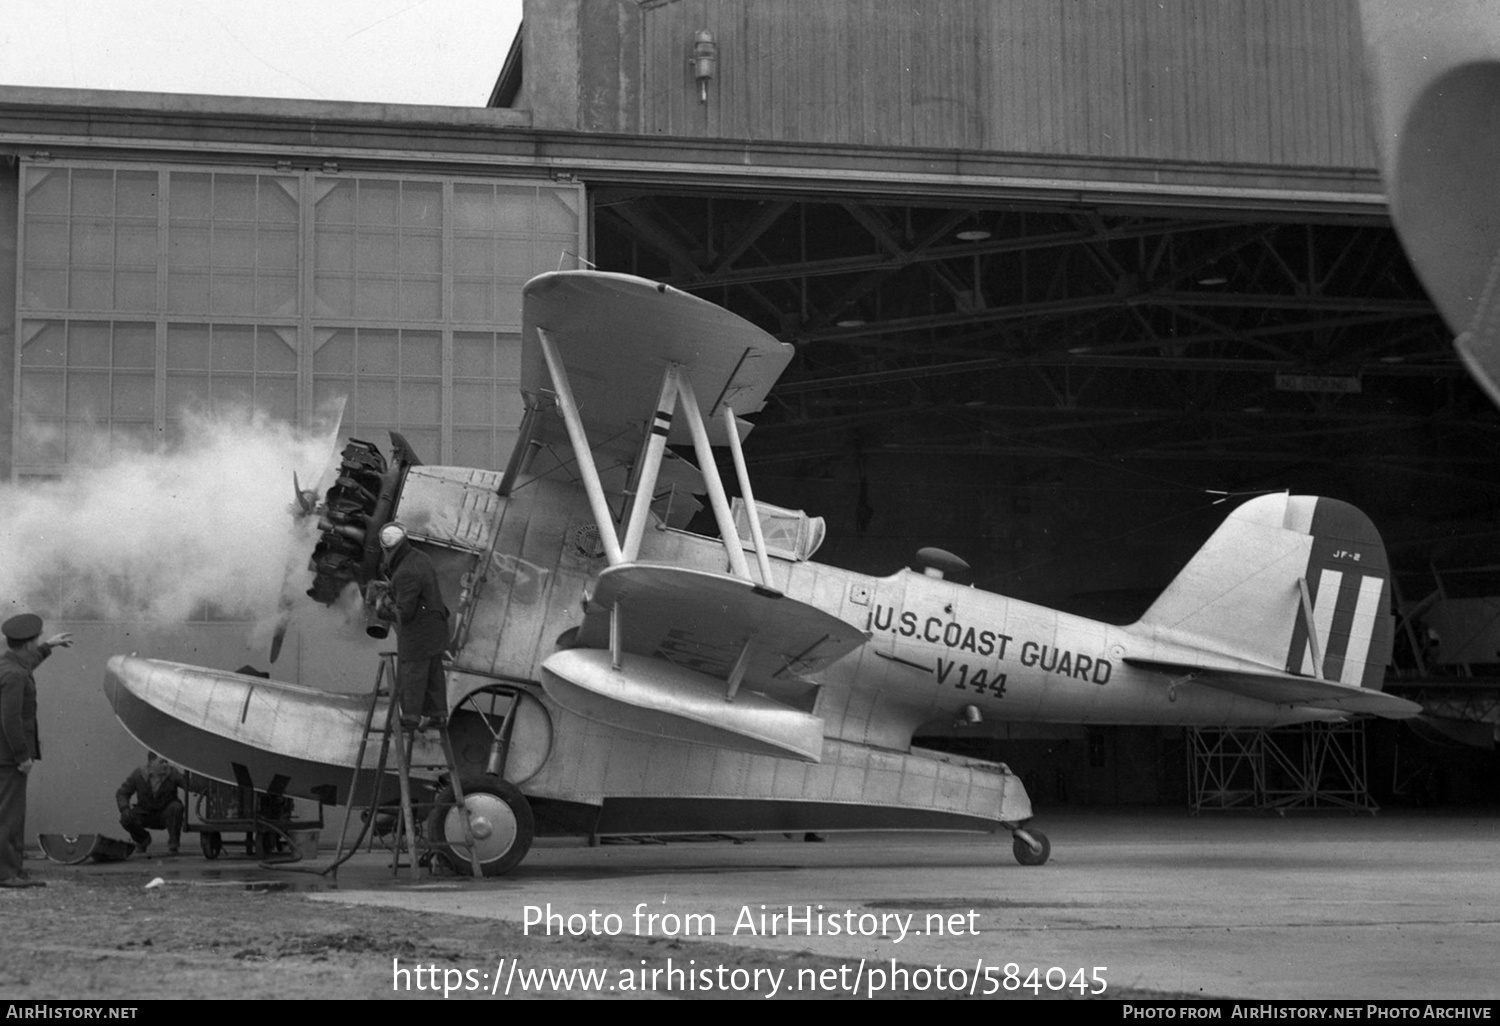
(789, 533)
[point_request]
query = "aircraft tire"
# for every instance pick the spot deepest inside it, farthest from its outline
(1025, 856)
(501, 819)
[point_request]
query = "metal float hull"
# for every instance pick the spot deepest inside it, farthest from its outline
(297, 740)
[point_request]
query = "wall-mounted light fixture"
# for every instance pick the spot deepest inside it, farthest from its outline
(704, 61)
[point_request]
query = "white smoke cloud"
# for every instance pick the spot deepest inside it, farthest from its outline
(165, 536)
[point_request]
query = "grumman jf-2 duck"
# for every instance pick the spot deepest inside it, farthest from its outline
(611, 672)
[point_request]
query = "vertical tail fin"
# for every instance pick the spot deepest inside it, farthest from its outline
(1292, 583)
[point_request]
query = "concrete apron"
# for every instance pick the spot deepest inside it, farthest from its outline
(1398, 906)
(1332, 906)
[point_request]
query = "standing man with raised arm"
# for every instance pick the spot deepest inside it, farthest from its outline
(20, 747)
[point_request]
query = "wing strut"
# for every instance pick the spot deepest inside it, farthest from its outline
(759, 538)
(616, 644)
(737, 671)
(706, 463)
(674, 385)
(1313, 645)
(656, 444)
(581, 452)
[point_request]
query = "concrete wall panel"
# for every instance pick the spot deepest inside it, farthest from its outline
(1275, 82)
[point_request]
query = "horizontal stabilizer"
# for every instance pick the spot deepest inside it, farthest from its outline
(655, 697)
(1286, 689)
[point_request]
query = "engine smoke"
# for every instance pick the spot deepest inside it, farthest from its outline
(203, 528)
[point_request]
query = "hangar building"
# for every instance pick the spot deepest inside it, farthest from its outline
(1061, 277)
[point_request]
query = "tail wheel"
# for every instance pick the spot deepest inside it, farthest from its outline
(1025, 854)
(500, 823)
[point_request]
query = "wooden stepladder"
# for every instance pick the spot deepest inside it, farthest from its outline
(367, 783)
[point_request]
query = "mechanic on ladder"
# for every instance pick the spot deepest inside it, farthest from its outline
(415, 603)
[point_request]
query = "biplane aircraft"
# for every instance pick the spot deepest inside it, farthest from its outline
(611, 672)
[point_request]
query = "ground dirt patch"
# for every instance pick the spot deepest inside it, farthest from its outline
(110, 937)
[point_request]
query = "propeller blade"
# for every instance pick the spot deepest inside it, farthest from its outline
(283, 621)
(276, 640)
(307, 499)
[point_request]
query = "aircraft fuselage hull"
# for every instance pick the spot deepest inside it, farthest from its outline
(936, 651)
(936, 647)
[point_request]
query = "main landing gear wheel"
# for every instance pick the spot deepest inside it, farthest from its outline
(1025, 854)
(499, 818)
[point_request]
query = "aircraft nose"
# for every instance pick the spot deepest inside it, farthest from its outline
(124, 675)
(113, 670)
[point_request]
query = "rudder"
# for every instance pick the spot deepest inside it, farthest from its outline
(1348, 581)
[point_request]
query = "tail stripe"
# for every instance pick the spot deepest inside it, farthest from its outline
(1344, 612)
(1363, 632)
(1336, 641)
(1325, 601)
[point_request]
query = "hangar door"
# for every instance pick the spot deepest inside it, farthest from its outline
(149, 293)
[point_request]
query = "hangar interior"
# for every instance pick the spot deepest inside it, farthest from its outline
(1055, 315)
(1163, 279)
(1070, 396)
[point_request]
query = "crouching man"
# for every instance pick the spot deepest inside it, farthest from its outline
(155, 788)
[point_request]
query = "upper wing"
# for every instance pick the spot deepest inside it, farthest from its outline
(616, 333)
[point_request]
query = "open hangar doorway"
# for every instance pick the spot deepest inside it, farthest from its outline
(1071, 395)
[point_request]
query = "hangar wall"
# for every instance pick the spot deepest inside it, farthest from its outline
(1251, 89)
(1272, 82)
(150, 289)
(156, 283)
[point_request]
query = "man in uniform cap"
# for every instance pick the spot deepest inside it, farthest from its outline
(19, 746)
(421, 629)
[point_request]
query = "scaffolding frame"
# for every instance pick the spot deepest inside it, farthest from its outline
(1277, 769)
